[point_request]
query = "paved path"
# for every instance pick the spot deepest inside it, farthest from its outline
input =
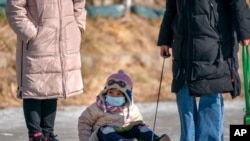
(12, 126)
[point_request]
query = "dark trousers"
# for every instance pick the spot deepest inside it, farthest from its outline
(40, 115)
(132, 133)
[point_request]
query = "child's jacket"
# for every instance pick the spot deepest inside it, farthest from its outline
(94, 117)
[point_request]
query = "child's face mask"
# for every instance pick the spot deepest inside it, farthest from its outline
(115, 101)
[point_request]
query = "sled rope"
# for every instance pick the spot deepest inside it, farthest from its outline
(158, 97)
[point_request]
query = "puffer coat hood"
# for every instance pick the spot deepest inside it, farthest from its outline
(48, 59)
(204, 36)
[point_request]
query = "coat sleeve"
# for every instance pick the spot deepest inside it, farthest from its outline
(80, 14)
(166, 33)
(137, 116)
(86, 122)
(16, 13)
(240, 12)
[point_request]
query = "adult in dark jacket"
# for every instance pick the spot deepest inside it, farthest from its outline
(204, 37)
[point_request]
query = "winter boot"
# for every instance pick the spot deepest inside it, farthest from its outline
(51, 137)
(36, 137)
(164, 137)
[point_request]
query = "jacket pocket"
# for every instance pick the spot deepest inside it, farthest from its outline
(210, 70)
(45, 43)
(213, 17)
(176, 69)
(73, 38)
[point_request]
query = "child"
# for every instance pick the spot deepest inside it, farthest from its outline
(113, 116)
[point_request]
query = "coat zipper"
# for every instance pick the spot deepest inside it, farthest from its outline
(212, 13)
(21, 71)
(189, 39)
(60, 48)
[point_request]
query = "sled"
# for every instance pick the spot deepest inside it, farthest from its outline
(246, 75)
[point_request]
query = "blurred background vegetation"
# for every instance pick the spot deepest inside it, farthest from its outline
(126, 42)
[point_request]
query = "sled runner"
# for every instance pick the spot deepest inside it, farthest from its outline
(246, 74)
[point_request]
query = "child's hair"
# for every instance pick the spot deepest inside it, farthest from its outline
(114, 88)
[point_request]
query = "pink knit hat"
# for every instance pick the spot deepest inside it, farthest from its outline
(122, 82)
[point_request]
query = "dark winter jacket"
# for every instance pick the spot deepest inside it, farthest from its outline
(204, 37)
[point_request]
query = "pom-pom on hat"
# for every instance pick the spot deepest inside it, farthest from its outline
(122, 82)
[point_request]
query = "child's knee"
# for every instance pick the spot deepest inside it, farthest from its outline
(105, 129)
(143, 128)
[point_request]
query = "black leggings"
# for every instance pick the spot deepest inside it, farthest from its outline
(40, 115)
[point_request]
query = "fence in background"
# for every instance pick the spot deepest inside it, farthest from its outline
(115, 10)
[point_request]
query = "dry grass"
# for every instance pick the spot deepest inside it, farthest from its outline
(108, 45)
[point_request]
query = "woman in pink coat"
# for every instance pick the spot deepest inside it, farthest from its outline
(48, 59)
(114, 116)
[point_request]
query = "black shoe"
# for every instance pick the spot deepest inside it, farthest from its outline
(51, 137)
(163, 137)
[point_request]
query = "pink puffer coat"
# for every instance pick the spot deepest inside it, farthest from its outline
(48, 58)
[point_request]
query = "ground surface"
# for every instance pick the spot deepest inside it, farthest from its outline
(13, 126)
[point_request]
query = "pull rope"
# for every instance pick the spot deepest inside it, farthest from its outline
(158, 97)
